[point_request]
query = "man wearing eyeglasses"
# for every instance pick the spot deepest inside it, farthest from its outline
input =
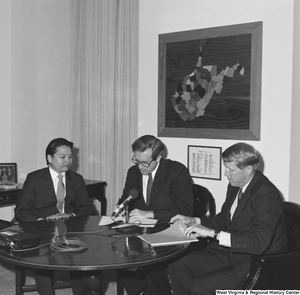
(165, 189)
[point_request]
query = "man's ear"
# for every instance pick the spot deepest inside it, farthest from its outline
(158, 158)
(249, 169)
(49, 158)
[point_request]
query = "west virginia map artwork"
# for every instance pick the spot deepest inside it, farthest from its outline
(208, 83)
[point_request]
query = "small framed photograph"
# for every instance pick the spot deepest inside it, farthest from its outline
(204, 162)
(8, 174)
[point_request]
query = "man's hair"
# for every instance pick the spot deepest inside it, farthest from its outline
(54, 144)
(242, 154)
(149, 141)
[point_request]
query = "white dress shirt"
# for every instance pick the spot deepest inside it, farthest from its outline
(145, 181)
(54, 177)
(225, 237)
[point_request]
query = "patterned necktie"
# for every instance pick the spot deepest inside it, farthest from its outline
(149, 188)
(60, 194)
(240, 194)
(236, 202)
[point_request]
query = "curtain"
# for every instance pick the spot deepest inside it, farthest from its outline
(104, 79)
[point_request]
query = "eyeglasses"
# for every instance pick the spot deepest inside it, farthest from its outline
(144, 164)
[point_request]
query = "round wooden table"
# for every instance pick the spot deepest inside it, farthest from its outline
(107, 248)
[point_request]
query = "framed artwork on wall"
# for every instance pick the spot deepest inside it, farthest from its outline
(204, 162)
(209, 83)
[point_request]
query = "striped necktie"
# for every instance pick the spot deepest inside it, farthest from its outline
(149, 188)
(240, 194)
(236, 202)
(60, 194)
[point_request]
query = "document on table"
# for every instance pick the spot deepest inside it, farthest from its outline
(170, 236)
(139, 221)
(105, 220)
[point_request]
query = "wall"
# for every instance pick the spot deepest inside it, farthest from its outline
(295, 118)
(164, 16)
(5, 33)
(35, 100)
(40, 62)
(35, 65)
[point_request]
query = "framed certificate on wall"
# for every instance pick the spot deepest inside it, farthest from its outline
(204, 162)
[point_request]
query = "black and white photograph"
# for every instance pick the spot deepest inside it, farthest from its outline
(8, 173)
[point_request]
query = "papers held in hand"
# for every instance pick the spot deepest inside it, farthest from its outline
(170, 236)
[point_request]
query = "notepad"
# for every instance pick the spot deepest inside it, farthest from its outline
(105, 220)
(170, 236)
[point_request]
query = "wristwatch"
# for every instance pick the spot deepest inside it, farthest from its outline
(216, 234)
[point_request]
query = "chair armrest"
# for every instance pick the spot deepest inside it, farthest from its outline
(278, 258)
(270, 270)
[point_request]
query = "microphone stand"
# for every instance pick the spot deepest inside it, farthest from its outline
(126, 214)
(130, 229)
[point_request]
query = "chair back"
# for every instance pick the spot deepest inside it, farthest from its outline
(278, 271)
(292, 219)
(204, 202)
(4, 224)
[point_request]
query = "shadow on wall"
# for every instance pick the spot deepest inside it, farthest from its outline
(261, 168)
(75, 164)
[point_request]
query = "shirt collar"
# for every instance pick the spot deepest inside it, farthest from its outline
(246, 185)
(155, 170)
(54, 174)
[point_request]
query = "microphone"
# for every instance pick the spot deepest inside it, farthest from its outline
(133, 193)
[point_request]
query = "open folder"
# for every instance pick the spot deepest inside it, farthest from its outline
(171, 236)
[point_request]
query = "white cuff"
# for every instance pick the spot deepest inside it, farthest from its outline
(224, 239)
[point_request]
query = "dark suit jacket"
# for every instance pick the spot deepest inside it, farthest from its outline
(171, 191)
(258, 224)
(37, 199)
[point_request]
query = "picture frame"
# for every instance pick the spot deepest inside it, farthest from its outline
(209, 83)
(8, 174)
(204, 162)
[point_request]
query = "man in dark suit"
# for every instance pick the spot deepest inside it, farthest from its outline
(251, 222)
(170, 194)
(54, 193)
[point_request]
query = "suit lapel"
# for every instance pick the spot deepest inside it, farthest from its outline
(139, 177)
(245, 198)
(231, 197)
(159, 180)
(137, 182)
(69, 186)
(47, 184)
(241, 205)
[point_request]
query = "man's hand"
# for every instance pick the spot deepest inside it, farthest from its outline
(200, 231)
(60, 216)
(186, 219)
(141, 213)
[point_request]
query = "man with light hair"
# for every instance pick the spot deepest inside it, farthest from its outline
(251, 222)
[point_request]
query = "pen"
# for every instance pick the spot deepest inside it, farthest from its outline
(123, 225)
